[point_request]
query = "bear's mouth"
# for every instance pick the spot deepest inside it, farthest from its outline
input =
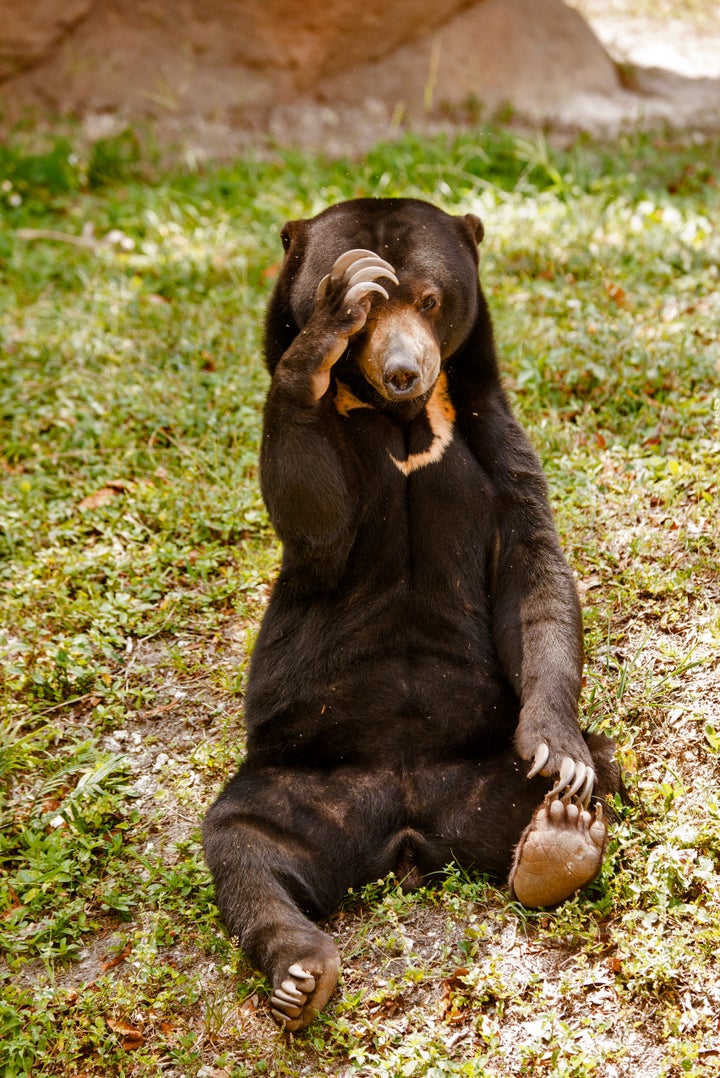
(403, 406)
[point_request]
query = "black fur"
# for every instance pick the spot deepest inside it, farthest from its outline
(424, 634)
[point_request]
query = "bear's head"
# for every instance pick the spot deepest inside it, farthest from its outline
(429, 314)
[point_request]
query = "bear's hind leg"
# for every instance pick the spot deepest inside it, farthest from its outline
(283, 847)
(255, 877)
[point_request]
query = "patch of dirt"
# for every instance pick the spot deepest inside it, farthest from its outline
(511, 996)
(187, 713)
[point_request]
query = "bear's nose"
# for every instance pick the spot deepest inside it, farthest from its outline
(401, 377)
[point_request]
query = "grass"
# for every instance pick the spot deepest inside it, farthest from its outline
(135, 558)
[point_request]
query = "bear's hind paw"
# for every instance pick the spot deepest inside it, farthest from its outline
(302, 994)
(560, 851)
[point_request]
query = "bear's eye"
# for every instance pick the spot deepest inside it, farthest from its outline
(428, 303)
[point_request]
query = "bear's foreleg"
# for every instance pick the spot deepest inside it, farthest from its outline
(306, 470)
(538, 632)
(536, 621)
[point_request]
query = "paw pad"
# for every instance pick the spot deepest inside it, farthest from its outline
(560, 851)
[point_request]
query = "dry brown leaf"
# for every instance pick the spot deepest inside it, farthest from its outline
(249, 1005)
(388, 1008)
(162, 710)
(130, 1036)
(449, 1011)
(616, 293)
(457, 979)
(116, 960)
(15, 904)
(99, 498)
(11, 469)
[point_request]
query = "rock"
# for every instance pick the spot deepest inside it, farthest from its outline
(322, 37)
(536, 55)
(229, 60)
(155, 56)
(30, 31)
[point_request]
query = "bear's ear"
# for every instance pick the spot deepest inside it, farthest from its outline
(291, 231)
(474, 226)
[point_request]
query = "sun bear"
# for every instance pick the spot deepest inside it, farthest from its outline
(413, 694)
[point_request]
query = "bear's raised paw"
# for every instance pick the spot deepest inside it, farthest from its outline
(560, 851)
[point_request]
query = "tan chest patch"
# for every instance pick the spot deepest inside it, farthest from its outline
(346, 401)
(440, 414)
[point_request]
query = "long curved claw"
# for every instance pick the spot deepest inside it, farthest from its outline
(358, 291)
(300, 974)
(575, 779)
(289, 1011)
(359, 266)
(289, 998)
(578, 779)
(370, 273)
(347, 258)
(363, 263)
(567, 772)
(322, 287)
(542, 755)
(289, 992)
(585, 793)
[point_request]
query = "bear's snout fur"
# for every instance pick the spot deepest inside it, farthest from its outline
(400, 356)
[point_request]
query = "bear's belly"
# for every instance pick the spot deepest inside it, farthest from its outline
(394, 703)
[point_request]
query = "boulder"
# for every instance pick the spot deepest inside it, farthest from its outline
(535, 55)
(235, 61)
(29, 32)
